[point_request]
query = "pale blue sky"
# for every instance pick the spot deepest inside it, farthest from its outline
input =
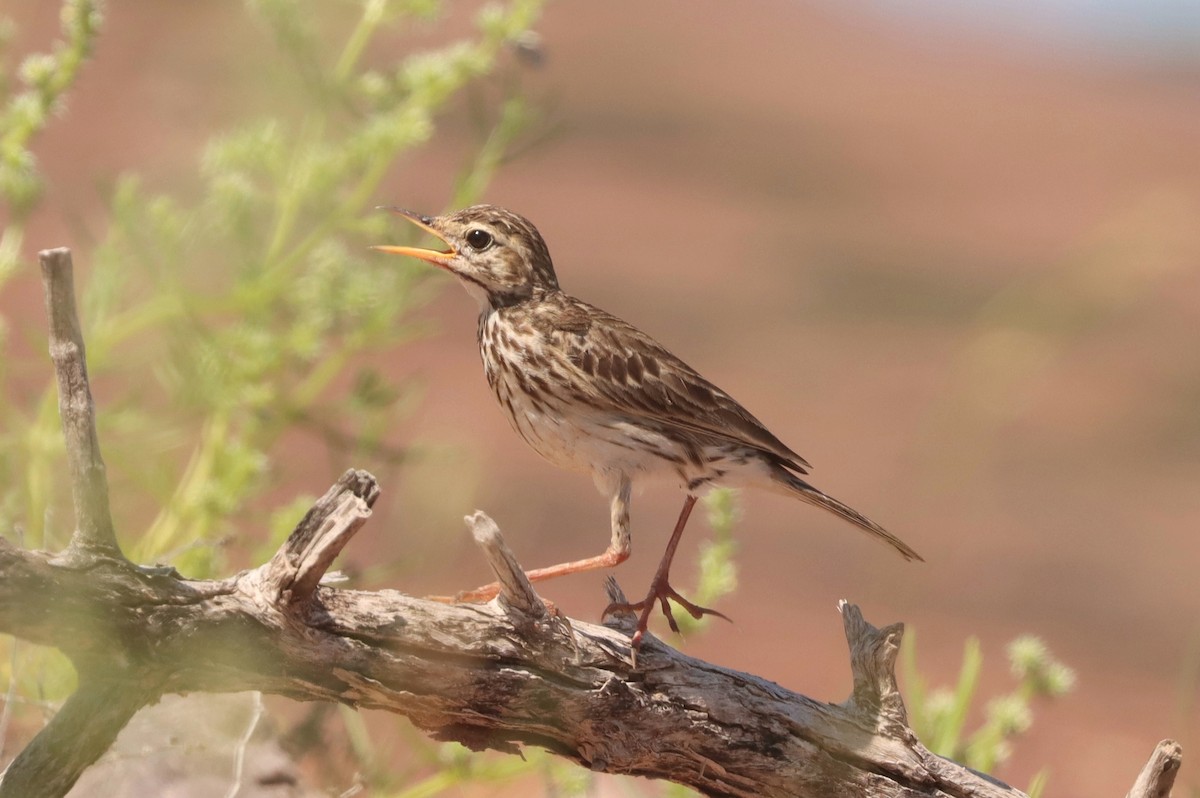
(1170, 28)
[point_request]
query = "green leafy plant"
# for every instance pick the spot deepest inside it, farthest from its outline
(43, 79)
(222, 317)
(255, 299)
(939, 715)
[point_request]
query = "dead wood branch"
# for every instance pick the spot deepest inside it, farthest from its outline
(489, 676)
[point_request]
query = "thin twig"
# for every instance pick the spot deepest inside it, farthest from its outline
(239, 752)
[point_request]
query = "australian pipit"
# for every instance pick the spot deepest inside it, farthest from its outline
(591, 393)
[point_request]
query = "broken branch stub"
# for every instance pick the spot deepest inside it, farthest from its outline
(89, 481)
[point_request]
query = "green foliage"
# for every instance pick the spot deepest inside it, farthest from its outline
(940, 716)
(44, 78)
(222, 317)
(255, 298)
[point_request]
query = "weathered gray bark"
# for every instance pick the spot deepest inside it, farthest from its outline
(89, 481)
(500, 675)
(1158, 776)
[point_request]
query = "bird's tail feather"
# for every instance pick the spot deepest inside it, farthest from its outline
(806, 492)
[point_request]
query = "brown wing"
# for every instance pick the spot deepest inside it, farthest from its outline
(634, 375)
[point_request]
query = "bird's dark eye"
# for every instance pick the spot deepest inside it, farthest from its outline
(479, 239)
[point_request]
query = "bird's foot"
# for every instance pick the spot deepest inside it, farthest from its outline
(663, 594)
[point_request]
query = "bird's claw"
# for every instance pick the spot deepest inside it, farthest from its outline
(661, 593)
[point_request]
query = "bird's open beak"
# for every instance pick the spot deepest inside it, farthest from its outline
(441, 258)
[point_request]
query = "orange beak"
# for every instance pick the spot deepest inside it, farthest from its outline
(439, 258)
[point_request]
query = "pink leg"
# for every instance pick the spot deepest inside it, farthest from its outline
(608, 559)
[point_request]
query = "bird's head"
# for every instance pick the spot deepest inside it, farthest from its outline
(498, 256)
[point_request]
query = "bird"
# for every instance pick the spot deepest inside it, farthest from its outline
(594, 394)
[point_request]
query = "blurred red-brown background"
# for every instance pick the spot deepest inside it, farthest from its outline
(953, 260)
